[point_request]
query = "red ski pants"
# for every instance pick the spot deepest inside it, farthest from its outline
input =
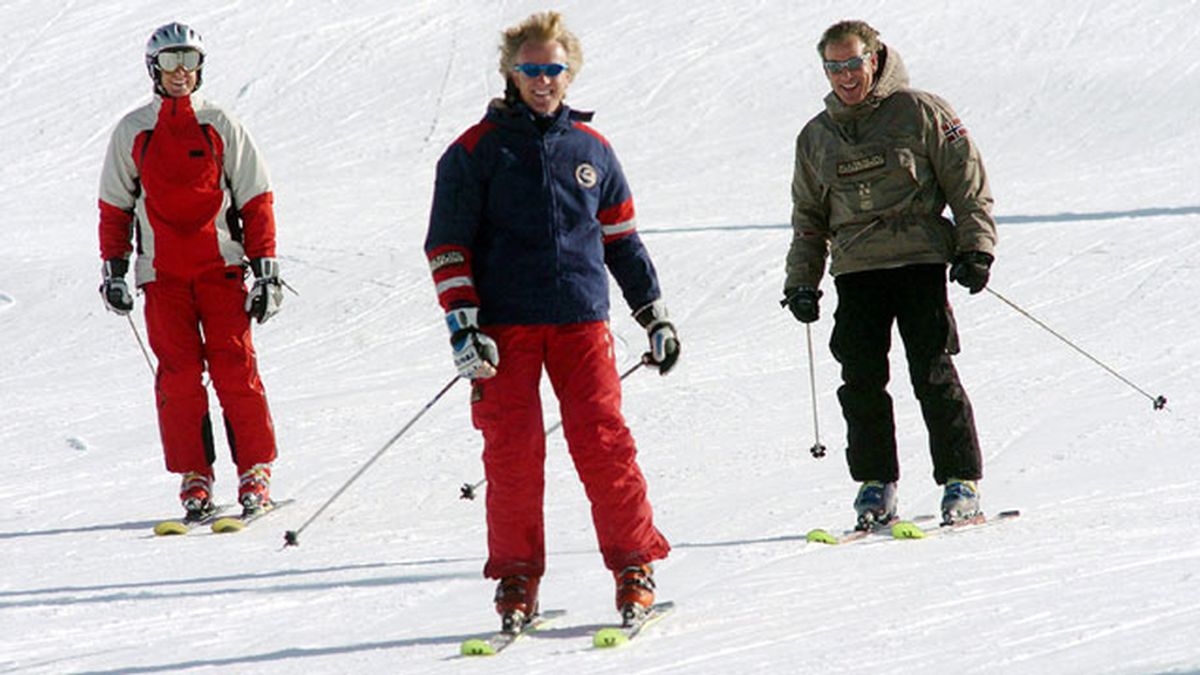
(196, 323)
(507, 408)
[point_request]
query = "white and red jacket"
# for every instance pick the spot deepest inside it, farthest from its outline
(185, 184)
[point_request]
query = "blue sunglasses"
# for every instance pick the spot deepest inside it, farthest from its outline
(538, 69)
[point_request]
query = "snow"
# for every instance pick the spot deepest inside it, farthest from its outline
(1084, 113)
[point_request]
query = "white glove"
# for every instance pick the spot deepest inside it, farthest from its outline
(266, 295)
(664, 341)
(475, 354)
(114, 290)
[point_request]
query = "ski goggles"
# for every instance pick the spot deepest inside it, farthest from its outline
(168, 62)
(853, 63)
(532, 70)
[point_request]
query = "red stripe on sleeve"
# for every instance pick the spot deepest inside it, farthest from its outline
(451, 268)
(116, 235)
(471, 137)
(617, 214)
(258, 226)
(462, 296)
(586, 129)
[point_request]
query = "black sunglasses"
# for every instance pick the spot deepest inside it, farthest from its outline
(852, 63)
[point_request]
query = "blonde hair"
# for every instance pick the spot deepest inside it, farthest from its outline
(540, 27)
(844, 30)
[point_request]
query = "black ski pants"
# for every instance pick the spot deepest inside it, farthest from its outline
(914, 297)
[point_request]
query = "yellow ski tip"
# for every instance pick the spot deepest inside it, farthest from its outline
(168, 527)
(819, 536)
(609, 637)
(906, 529)
(476, 647)
(222, 525)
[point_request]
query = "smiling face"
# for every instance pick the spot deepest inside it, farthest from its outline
(179, 82)
(851, 86)
(543, 94)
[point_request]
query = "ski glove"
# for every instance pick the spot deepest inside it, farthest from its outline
(266, 295)
(113, 289)
(475, 354)
(971, 269)
(804, 301)
(664, 341)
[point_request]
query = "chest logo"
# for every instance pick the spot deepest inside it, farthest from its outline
(853, 166)
(585, 175)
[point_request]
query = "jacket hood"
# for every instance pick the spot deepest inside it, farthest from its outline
(891, 77)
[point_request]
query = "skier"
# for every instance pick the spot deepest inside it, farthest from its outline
(530, 206)
(184, 178)
(873, 173)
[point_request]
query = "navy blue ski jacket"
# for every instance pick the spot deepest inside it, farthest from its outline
(525, 223)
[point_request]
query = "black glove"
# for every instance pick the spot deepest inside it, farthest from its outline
(804, 302)
(664, 341)
(266, 295)
(971, 269)
(113, 289)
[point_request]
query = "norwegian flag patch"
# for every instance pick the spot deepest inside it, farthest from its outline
(952, 130)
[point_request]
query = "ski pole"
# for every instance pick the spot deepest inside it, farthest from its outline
(817, 450)
(292, 537)
(467, 491)
(138, 337)
(1160, 402)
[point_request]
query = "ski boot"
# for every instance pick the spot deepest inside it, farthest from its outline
(195, 493)
(254, 488)
(635, 592)
(960, 501)
(875, 504)
(516, 601)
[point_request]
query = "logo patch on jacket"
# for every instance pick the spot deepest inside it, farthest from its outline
(953, 130)
(585, 175)
(445, 259)
(853, 166)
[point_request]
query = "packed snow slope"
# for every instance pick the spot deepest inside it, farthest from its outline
(1085, 114)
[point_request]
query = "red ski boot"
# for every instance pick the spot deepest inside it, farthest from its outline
(635, 591)
(195, 493)
(516, 601)
(254, 487)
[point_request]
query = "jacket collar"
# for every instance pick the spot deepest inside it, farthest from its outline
(519, 117)
(195, 100)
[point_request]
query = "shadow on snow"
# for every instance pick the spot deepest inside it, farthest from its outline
(168, 589)
(1065, 217)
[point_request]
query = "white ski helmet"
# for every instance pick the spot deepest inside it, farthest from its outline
(171, 36)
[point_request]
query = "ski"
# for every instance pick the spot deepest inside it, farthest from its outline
(501, 640)
(238, 523)
(615, 636)
(911, 530)
(822, 536)
(186, 524)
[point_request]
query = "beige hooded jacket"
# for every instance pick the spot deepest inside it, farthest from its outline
(872, 180)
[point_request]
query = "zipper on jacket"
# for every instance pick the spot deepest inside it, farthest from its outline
(548, 178)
